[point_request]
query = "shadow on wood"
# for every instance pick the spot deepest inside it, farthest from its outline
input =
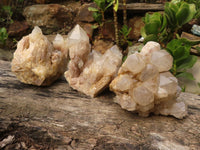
(58, 117)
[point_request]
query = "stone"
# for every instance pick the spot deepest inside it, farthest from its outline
(196, 29)
(108, 30)
(49, 16)
(36, 61)
(84, 14)
(145, 85)
(102, 45)
(90, 72)
(136, 24)
(18, 29)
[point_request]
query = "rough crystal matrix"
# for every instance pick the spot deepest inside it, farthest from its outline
(38, 62)
(90, 72)
(144, 83)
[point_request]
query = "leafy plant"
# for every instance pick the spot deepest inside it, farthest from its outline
(164, 27)
(155, 28)
(6, 10)
(124, 32)
(179, 13)
(182, 58)
(98, 13)
(3, 35)
(197, 4)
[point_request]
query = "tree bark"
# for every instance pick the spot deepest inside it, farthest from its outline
(58, 117)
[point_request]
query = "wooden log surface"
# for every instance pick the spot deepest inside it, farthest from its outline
(58, 117)
(143, 7)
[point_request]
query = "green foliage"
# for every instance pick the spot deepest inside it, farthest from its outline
(98, 13)
(3, 35)
(164, 27)
(197, 4)
(102, 6)
(116, 5)
(124, 32)
(155, 27)
(7, 12)
(182, 58)
(179, 13)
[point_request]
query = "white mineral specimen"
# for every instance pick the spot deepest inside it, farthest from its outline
(90, 72)
(36, 61)
(144, 84)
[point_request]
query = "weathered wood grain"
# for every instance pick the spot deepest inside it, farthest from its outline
(58, 117)
(143, 7)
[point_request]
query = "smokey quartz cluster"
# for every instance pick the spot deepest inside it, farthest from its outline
(90, 72)
(37, 61)
(144, 83)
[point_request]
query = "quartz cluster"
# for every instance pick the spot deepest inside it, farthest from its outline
(90, 71)
(37, 61)
(144, 83)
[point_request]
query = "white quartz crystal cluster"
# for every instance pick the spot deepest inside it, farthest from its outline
(37, 61)
(90, 72)
(144, 83)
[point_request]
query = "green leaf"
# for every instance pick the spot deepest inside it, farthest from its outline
(164, 23)
(186, 13)
(186, 75)
(183, 89)
(100, 3)
(142, 31)
(192, 13)
(182, 14)
(97, 17)
(198, 84)
(110, 4)
(3, 35)
(124, 58)
(95, 26)
(181, 53)
(187, 63)
(116, 5)
(151, 37)
(170, 15)
(92, 9)
(152, 27)
(189, 42)
(173, 44)
(146, 18)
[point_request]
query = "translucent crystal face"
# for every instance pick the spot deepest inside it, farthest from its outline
(90, 71)
(78, 34)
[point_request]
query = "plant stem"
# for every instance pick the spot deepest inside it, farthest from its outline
(115, 23)
(124, 13)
